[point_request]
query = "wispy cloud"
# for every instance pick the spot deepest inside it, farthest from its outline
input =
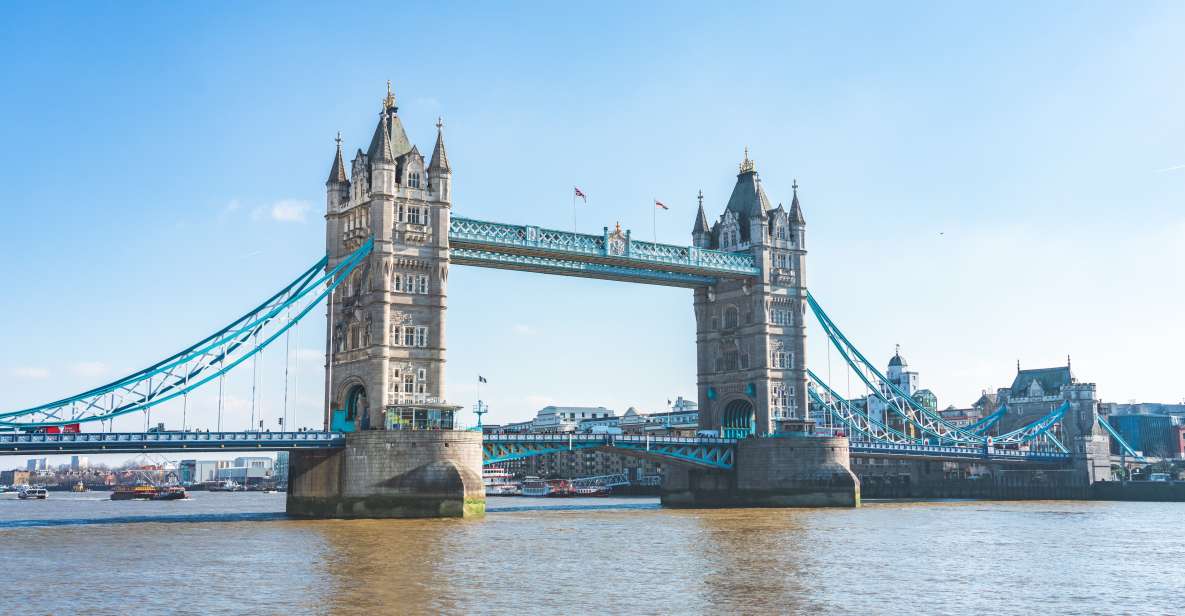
(89, 368)
(1173, 168)
(523, 329)
(30, 372)
(290, 210)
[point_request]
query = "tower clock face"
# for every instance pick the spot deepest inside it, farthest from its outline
(617, 246)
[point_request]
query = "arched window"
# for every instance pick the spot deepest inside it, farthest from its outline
(730, 317)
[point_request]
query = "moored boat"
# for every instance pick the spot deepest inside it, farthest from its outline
(33, 493)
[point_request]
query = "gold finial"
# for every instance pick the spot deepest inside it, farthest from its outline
(617, 230)
(339, 140)
(747, 165)
(389, 101)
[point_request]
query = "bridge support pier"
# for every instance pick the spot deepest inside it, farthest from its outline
(775, 471)
(389, 474)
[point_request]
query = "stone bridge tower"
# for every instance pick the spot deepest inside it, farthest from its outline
(750, 335)
(385, 346)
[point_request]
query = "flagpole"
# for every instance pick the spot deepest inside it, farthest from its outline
(654, 220)
(573, 211)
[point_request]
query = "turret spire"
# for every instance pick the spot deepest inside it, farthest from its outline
(439, 163)
(337, 173)
(796, 208)
(389, 100)
(701, 219)
(747, 166)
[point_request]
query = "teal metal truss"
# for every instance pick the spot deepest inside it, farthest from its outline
(19, 443)
(1124, 446)
(614, 256)
(699, 451)
(201, 362)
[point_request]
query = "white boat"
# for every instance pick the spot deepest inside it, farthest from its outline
(498, 482)
(38, 493)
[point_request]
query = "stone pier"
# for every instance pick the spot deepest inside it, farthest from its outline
(390, 474)
(775, 471)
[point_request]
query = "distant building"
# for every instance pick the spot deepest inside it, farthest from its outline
(1144, 408)
(79, 463)
(36, 464)
(14, 477)
(568, 418)
(280, 470)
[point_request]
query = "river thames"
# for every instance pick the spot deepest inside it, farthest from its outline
(222, 553)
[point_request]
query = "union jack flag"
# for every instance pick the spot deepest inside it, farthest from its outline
(580, 193)
(660, 204)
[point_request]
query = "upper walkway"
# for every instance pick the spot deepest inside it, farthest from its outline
(15, 443)
(612, 255)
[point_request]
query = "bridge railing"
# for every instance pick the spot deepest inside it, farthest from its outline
(178, 438)
(529, 238)
(954, 451)
(619, 438)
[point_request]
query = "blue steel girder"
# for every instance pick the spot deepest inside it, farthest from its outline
(20, 443)
(618, 251)
(570, 267)
(705, 452)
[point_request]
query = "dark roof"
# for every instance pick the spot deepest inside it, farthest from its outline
(1051, 380)
(897, 360)
(390, 130)
(796, 209)
(748, 200)
(439, 162)
(701, 221)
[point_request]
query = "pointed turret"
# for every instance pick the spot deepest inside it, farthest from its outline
(337, 173)
(701, 232)
(796, 208)
(439, 162)
(380, 144)
(337, 187)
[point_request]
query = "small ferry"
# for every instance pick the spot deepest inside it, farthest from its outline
(33, 493)
(78, 487)
(592, 491)
(149, 492)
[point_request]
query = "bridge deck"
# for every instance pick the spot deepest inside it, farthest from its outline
(135, 442)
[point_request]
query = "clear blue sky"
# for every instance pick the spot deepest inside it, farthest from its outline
(982, 183)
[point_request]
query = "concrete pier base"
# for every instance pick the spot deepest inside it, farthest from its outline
(779, 471)
(395, 474)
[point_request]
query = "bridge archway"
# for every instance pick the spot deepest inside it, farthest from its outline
(358, 406)
(738, 420)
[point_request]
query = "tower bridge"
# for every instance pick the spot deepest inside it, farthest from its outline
(390, 444)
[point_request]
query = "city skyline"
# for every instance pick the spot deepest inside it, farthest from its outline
(222, 170)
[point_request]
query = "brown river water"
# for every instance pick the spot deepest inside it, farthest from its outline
(236, 553)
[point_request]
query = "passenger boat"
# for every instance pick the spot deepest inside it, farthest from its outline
(560, 488)
(534, 486)
(78, 487)
(498, 482)
(33, 493)
(148, 492)
(593, 491)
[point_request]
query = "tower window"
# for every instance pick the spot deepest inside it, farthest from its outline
(397, 283)
(730, 317)
(413, 179)
(423, 285)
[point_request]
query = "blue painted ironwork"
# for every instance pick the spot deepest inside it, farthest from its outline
(515, 242)
(200, 363)
(572, 267)
(1124, 446)
(985, 424)
(699, 451)
(955, 452)
(17, 443)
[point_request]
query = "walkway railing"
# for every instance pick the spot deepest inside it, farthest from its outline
(100, 442)
(468, 233)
